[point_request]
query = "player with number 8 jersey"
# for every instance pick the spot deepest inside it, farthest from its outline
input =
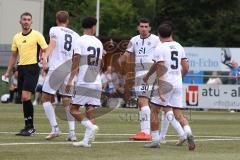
(59, 55)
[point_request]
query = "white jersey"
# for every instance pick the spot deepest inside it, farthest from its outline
(171, 53)
(63, 51)
(143, 49)
(91, 50)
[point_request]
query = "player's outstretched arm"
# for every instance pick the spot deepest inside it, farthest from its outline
(152, 69)
(185, 66)
(48, 52)
(11, 63)
(160, 70)
(74, 71)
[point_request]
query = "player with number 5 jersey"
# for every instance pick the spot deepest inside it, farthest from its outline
(58, 54)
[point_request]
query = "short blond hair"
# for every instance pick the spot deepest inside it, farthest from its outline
(62, 16)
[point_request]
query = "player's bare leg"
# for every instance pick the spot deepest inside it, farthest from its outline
(144, 114)
(47, 100)
(154, 127)
(186, 127)
(71, 120)
(90, 114)
(90, 131)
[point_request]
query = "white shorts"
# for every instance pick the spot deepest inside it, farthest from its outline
(141, 88)
(172, 99)
(87, 94)
(55, 82)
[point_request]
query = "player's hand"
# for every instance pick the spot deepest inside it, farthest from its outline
(68, 87)
(44, 63)
(145, 78)
(6, 75)
(161, 96)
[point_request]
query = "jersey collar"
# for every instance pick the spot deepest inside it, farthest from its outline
(27, 33)
(145, 37)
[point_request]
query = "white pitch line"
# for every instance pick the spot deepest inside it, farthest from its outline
(128, 134)
(106, 142)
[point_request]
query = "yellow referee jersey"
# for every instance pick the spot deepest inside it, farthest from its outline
(27, 46)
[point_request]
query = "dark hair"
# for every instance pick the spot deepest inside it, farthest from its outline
(62, 16)
(169, 22)
(89, 22)
(165, 30)
(26, 14)
(143, 20)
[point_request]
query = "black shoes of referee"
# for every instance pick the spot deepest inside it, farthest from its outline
(27, 131)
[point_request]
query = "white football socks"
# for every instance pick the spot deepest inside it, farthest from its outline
(89, 126)
(87, 123)
(187, 130)
(50, 113)
(155, 136)
(87, 135)
(70, 119)
(145, 119)
(164, 126)
(176, 125)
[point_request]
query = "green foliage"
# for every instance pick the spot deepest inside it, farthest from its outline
(202, 22)
(118, 18)
(207, 23)
(77, 10)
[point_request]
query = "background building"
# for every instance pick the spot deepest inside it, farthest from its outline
(10, 11)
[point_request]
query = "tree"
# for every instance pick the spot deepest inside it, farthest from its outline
(207, 23)
(117, 18)
(76, 8)
(202, 22)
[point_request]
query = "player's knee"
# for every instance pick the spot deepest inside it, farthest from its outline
(25, 97)
(66, 101)
(170, 116)
(180, 119)
(45, 98)
(142, 102)
(89, 110)
(73, 111)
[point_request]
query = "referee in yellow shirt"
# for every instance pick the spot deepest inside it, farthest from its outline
(25, 44)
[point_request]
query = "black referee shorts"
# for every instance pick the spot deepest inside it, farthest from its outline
(28, 77)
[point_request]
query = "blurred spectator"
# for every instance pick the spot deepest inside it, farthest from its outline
(110, 80)
(234, 73)
(13, 87)
(194, 77)
(38, 92)
(214, 79)
(113, 86)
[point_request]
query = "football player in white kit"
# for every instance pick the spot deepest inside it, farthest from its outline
(59, 52)
(142, 47)
(171, 64)
(87, 62)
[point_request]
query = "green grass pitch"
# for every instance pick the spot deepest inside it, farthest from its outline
(217, 135)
